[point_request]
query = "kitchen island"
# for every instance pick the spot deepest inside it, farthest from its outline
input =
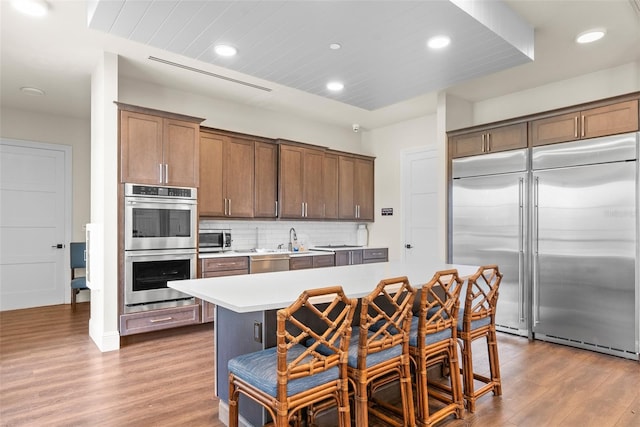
(245, 309)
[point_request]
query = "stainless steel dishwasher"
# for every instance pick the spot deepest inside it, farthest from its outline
(268, 262)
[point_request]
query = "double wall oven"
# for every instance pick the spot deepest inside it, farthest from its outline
(160, 226)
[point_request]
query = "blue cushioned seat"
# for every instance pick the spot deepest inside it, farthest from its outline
(429, 338)
(260, 370)
(79, 283)
(475, 324)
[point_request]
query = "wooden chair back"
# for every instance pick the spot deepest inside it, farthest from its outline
(385, 317)
(482, 295)
(439, 304)
(328, 307)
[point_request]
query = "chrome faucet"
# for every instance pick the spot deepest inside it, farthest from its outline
(293, 237)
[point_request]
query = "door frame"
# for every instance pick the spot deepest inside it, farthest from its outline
(404, 198)
(67, 150)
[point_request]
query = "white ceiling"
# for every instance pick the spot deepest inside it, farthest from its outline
(58, 53)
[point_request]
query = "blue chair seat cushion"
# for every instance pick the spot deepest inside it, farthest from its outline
(475, 324)
(260, 370)
(429, 338)
(79, 283)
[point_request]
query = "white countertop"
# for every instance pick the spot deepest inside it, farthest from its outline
(267, 291)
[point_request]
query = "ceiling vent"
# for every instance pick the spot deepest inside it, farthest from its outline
(207, 73)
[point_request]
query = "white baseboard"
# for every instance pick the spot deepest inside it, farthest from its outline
(223, 415)
(108, 341)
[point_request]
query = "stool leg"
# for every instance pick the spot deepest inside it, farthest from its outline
(362, 409)
(467, 375)
(233, 403)
(494, 363)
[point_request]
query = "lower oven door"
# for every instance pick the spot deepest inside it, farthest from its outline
(147, 274)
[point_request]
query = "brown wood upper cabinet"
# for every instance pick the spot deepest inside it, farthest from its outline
(226, 176)
(501, 138)
(611, 119)
(355, 193)
(330, 185)
(266, 180)
(301, 182)
(158, 150)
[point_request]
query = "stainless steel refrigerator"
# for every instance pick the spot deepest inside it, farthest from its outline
(585, 243)
(563, 227)
(489, 226)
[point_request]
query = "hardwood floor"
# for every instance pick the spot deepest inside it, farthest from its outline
(51, 374)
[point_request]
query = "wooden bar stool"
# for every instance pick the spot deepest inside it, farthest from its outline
(433, 340)
(291, 376)
(379, 354)
(379, 351)
(478, 320)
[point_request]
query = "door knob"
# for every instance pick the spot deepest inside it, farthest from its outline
(408, 246)
(58, 246)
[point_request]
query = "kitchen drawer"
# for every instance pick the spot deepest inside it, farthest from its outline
(225, 263)
(299, 263)
(224, 273)
(155, 320)
(375, 255)
(323, 261)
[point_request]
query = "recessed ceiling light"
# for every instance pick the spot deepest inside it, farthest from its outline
(335, 86)
(225, 50)
(335, 46)
(33, 91)
(438, 42)
(36, 8)
(590, 36)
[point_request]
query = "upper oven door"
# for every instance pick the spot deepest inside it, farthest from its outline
(157, 223)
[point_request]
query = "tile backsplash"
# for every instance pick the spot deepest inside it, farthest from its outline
(270, 234)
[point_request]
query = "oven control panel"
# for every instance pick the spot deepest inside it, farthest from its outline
(155, 191)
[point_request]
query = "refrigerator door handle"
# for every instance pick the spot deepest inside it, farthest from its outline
(536, 296)
(521, 250)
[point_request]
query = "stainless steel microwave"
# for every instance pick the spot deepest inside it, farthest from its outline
(214, 240)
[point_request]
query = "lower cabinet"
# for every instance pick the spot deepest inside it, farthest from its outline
(370, 256)
(311, 261)
(320, 261)
(218, 267)
(351, 257)
(155, 320)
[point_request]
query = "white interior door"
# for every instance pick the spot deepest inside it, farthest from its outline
(420, 176)
(33, 209)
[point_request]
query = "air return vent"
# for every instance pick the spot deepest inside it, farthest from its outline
(207, 73)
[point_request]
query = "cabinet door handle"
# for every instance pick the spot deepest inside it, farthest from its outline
(482, 149)
(582, 127)
(160, 178)
(302, 209)
(276, 208)
(166, 173)
(229, 207)
(225, 206)
(575, 127)
(488, 142)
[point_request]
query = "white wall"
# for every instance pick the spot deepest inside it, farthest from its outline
(222, 114)
(589, 87)
(104, 321)
(387, 145)
(58, 129)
